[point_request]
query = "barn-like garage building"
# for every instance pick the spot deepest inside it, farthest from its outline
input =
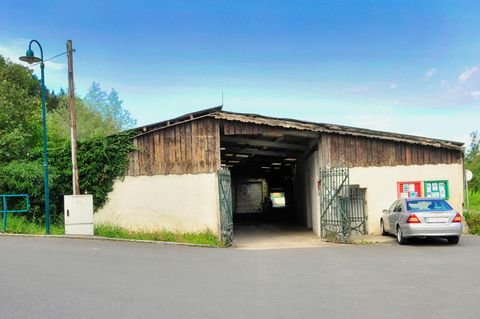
(212, 168)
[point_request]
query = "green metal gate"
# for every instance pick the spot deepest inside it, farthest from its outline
(356, 210)
(226, 207)
(342, 206)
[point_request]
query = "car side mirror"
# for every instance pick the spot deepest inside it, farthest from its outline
(385, 211)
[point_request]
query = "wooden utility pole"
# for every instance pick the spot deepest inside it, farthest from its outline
(73, 125)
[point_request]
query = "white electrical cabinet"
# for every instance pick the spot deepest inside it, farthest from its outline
(78, 214)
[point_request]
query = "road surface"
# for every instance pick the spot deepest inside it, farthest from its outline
(68, 278)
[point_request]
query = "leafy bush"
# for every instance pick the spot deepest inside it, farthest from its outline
(101, 160)
(473, 222)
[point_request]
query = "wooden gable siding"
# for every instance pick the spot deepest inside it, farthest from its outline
(354, 151)
(188, 148)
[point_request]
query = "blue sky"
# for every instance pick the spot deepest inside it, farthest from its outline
(404, 66)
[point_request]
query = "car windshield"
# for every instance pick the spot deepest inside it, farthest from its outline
(427, 205)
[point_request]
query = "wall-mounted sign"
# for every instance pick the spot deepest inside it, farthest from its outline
(409, 189)
(436, 189)
(468, 175)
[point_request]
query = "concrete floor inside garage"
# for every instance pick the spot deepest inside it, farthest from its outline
(274, 236)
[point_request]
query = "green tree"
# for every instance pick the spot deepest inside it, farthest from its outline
(20, 111)
(109, 106)
(472, 161)
(89, 122)
(101, 159)
(53, 99)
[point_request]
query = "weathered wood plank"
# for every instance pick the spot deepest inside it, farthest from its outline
(217, 147)
(178, 151)
(149, 153)
(211, 146)
(188, 148)
(170, 150)
(194, 147)
(141, 156)
(361, 152)
(161, 160)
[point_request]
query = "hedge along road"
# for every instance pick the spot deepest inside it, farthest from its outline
(68, 278)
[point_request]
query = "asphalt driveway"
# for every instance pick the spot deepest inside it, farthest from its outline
(67, 278)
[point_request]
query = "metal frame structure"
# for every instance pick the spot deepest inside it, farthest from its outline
(5, 210)
(226, 207)
(342, 205)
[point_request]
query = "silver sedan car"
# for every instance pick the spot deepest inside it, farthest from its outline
(421, 217)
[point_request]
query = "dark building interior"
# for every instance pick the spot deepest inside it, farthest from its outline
(263, 169)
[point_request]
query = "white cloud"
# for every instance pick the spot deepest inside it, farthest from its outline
(454, 90)
(16, 48)
(430, 73)
(475, 94)
(393, 85)
(465, 75)
(55, 73)
(363, 89)
(13, 50)
(55, 66)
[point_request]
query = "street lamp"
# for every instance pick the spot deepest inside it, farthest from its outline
(31, 58)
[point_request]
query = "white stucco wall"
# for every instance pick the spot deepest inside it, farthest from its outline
(306, 192)
(184, 203)
(381, 184)
(314, 198)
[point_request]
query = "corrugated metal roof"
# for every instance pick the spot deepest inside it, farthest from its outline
(293, 124)
(333, 128)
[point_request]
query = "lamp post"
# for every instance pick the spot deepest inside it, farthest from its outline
(31, 58)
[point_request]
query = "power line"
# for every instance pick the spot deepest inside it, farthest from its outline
(51, 58)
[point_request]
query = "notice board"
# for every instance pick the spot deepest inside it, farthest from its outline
(409, 189)
(436, 189)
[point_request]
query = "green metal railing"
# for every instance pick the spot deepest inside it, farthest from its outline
(5, 209)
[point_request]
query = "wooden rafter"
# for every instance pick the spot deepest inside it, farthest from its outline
(258, 142)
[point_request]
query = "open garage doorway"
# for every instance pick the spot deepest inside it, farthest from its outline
(268, 197)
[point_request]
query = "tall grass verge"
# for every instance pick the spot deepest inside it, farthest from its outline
(473, 217)
(473, 221)
(202, 238)
(20, 225)
(474, 201)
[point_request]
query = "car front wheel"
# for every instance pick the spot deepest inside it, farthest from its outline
(401, 240)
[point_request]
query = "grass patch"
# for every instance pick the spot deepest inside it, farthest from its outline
(473, 217)
(20, 225)
(202, 238)
(473, 222)
(474, 201)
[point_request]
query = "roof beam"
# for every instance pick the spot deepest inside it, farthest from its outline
(294, 133)
(257, 142)
(261, 152)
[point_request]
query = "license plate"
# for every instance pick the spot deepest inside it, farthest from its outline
(437, 220)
